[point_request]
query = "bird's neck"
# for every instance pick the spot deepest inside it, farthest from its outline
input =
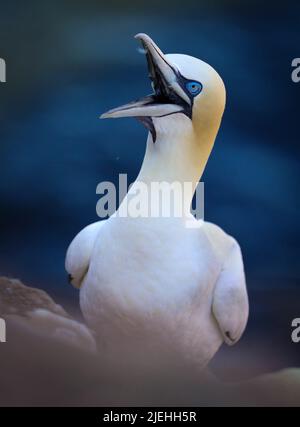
(177, 157)
(174, 161)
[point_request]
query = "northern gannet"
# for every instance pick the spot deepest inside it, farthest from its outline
(153, 286)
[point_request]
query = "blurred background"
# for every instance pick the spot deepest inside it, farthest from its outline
(69, 61)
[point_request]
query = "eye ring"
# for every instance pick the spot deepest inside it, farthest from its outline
(194, 88)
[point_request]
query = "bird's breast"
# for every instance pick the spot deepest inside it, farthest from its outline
(147, 268)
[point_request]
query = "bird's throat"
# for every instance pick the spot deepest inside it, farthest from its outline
(170, 173)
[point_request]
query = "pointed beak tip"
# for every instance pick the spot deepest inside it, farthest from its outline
(103, 116)
(139, 35)
(143, 37)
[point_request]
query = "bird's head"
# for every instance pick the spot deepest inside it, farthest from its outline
(184, 88)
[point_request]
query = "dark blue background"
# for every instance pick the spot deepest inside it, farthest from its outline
(69, 61)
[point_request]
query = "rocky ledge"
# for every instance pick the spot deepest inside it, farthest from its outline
(35, 311)
(50, 358)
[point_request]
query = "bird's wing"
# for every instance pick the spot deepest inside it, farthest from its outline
(230, 299)
(79, 253)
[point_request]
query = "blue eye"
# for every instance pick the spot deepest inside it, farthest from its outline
(194, 87)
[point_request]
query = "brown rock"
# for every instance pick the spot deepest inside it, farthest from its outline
(18, 299)
(50, 359)
(35, 311)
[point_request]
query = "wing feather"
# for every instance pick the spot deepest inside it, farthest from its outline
(230, 300)
(79, 253)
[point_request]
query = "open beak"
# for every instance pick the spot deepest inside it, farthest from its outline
(169, 96)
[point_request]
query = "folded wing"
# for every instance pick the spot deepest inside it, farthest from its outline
(230, 300)
(79, 253)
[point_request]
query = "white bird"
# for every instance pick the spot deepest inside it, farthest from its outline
(151, 287)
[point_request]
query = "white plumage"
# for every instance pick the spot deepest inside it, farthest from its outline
(151, 287)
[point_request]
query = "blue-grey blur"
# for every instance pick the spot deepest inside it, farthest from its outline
(69, 61)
